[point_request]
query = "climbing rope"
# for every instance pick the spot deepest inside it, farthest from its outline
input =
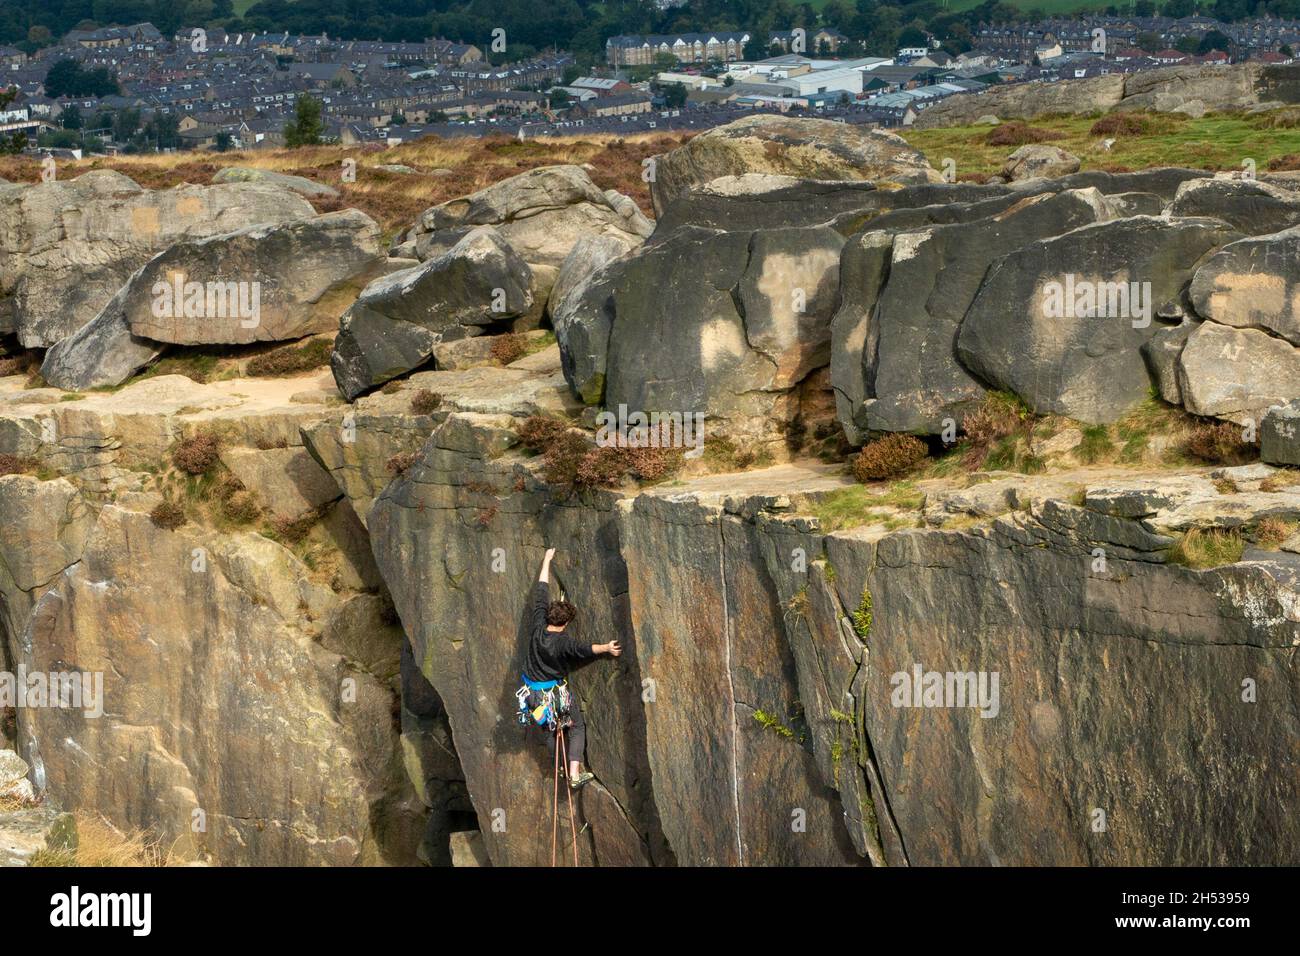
(562, 751)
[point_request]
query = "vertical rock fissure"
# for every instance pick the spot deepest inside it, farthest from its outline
(731, 692)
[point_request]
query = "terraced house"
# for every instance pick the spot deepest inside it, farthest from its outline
(686, 47)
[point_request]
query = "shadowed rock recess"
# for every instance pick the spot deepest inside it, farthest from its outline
(305, 585)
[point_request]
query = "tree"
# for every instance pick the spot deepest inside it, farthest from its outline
(675, 96)
(70, 118)
(306, 128)
(68, 78)
(1214, 40)
(125, 124)
(224, 141)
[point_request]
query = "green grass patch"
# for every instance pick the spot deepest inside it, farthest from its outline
(1217, 141)
(1203, 548)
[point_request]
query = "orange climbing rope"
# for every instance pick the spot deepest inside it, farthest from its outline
(562, 751)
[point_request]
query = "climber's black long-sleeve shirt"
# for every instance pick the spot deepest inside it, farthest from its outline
(550, 653)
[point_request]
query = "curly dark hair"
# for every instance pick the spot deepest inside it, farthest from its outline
(560, 613)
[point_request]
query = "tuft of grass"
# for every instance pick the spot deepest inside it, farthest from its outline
(1202, 548)
(1095, 445)
(400, 463)
(863, 616)
(1271, 532)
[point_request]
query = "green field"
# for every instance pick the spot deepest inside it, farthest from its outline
(1217, 142)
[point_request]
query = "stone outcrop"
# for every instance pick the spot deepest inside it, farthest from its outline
(251, 174)
(1251, 207)
(1037, 160)
(809, 149)
(1194, 90)
(66, 247)
(1253, 284)
(1033, 331)
(1279, 435)
(398, 319)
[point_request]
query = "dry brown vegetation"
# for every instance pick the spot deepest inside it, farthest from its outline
(168, 515)
(1121, 124)
(99, 843)
(445, 168)
(425, 402)
(508, 348)
(1220, 443)
(1019, 134)
(291, 359)
(889, 457)
(197, 454)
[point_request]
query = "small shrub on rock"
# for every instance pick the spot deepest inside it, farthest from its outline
(167, 515)
(294, 530)
(562, 457)
(197, 454)
(889, 457)
(654, 464)
(400, 463)
(1219, 443)
(601, 468)
(425, 402)
(508, 348)
(15, 465)
(241, 506)
(539, 432)
(1272, 531)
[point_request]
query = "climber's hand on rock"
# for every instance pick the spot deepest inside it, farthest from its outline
(614, 648)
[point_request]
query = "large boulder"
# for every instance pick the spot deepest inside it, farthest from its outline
(1237, 374)
(1039, 161)
(1279, 435)
(399, 318)
(540, 213)
(100, 354)
(1253, 284)
(582, 312)
(251, 174)
(724, 324)
(807, 148)
(1251, 207)
(1026, 101)
(262, 283)
(1062, 321)
(1194, 90)
(908, 372)
(67, 246)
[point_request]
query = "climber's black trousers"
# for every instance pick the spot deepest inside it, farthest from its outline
(575, 738)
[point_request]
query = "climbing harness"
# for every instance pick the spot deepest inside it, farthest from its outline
(544, 704)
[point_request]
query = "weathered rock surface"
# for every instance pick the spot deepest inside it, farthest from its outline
(582, 312)
(251, 174)
(810, 149)
(1237, 373)
(67, 246)
(1251, 207)
(540, 214)
(1279, 435)
(297, 277)
(1253, 284)
(747, 315)
(1186, 89)
(909, 373)
(1036, 160)
(1033, 329)
(398, 318)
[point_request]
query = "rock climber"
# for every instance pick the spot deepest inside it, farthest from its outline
(552, 650)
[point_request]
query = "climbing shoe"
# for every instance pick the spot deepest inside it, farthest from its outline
(581, 779)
